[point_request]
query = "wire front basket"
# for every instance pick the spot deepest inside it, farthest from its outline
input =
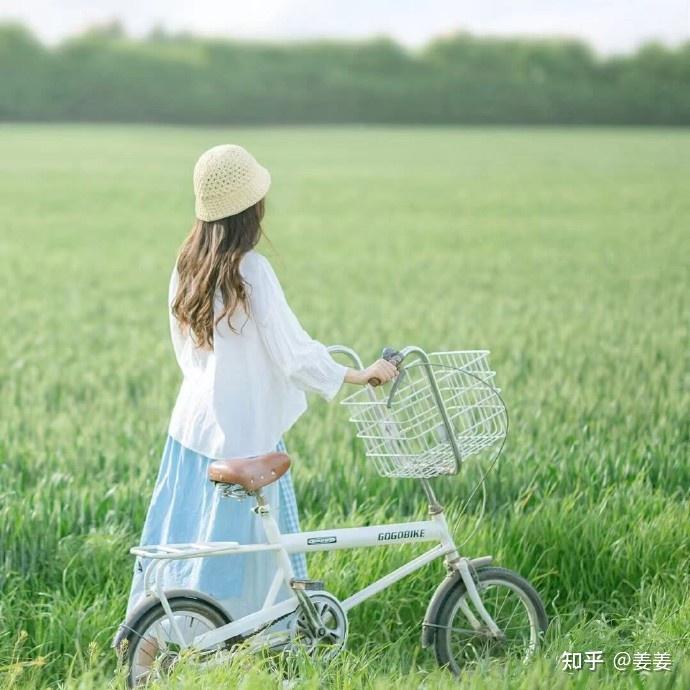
(440, 410)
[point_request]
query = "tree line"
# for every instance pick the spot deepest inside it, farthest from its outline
(103, 75)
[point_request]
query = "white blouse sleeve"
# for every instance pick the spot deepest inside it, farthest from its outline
(304, 361)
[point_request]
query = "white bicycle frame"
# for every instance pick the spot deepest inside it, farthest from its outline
(433, 530)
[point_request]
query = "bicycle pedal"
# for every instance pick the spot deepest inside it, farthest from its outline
(309, 585)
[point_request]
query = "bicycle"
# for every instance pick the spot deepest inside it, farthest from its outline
(441, 409)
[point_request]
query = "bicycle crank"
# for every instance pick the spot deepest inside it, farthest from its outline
(319, 625)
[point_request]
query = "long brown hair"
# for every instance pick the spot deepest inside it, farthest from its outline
(209, 260)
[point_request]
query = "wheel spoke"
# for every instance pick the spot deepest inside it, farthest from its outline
(503, 603)
(515, 608)
(154, 642)
(472, 632)
(513, 627)
(510, 608)
(159, 635)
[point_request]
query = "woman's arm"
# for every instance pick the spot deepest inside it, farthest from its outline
(305, 361)
(380, 369)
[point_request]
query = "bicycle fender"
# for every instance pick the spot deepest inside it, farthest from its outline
(150, 601)
(428, 631)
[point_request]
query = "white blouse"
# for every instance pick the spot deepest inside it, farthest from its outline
(238, 399)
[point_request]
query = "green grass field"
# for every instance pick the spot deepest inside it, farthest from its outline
(565, 252)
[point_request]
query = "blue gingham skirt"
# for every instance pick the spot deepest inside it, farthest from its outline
(187, 507)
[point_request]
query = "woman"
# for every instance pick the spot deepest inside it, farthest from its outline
(247, 364)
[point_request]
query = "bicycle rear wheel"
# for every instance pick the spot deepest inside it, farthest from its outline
(515, 607)
(152, 649)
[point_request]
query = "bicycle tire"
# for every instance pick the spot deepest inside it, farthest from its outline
(489, 576)
(213, 616)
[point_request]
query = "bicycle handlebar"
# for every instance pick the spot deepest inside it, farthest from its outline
(348, 352)
(390, 355)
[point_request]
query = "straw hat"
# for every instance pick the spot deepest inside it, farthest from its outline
(227, 180)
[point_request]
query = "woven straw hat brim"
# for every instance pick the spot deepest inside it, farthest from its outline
(219, 206)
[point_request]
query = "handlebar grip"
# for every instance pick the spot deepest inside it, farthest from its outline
(390, 355)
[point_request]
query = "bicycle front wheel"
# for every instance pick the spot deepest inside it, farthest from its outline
(462, 638)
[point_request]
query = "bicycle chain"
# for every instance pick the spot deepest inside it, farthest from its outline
(268, 625)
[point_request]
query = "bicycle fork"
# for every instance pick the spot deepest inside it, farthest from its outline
(461, 564)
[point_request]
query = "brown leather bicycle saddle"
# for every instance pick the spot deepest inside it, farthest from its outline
(250, 473)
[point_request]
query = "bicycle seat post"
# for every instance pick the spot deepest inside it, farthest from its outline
(260, 502)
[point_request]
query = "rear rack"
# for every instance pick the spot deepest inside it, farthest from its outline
(196, 550)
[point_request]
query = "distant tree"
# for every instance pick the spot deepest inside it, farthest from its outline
(104, 75)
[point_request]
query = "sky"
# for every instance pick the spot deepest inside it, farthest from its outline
(609, 26)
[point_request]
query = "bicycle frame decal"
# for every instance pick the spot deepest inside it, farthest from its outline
(404, 534)
(321, 540)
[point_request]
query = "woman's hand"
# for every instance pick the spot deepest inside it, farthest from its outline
(381, 369)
